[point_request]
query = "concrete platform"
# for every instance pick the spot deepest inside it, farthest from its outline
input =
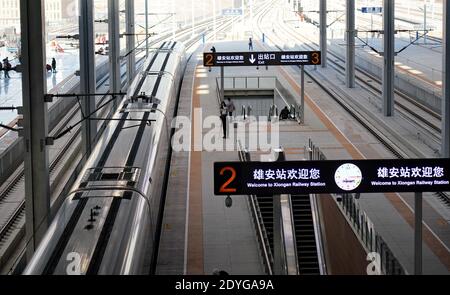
(223, 238)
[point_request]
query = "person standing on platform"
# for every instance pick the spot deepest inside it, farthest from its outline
(1, 68)
(6, 67)
(284, 115)
(54, 65)
(230, 107)
(223, 118)
(250, 44)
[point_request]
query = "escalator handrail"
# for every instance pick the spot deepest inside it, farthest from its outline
(288, 230)
(318, 234)
(258, 221)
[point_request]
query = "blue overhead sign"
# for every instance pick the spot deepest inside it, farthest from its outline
(232, 12)
(372, 9)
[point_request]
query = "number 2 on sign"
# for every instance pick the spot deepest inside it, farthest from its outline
(209, 60)
(224, 188)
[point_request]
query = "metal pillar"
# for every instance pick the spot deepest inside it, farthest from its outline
(215, 20)
(34, 86)
(350, 64)
(193, 17)
(425, 22)
(445, 153)
(222, 83)
(389, 57)
(131, 43)
(418, 234)
(323, 31)
(87, 72)
(146, 29)
(251, 14)
(174, 19)
(302, 95)
(114, 47)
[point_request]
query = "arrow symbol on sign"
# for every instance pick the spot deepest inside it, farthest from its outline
(252, 59)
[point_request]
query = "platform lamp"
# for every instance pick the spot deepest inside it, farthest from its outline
(228, 202)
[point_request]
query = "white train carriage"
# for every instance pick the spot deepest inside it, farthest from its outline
(108, 223)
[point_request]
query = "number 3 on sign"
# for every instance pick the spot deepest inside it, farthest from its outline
(225, 187)
(315, 58)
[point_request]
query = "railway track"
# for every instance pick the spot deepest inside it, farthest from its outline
(407, 106)
(390, 145)
(16, 182)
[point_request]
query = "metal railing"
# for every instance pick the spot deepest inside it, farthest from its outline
(299, 113)
(243, 83)
(288, 237)
(318, 235)
(361, 224)
(273, 112)
(263, 240)
(219, 96)
(244, 112)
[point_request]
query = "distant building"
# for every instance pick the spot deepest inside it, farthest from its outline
(10, 12)
(53, 10)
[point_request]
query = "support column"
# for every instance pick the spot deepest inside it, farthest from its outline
(34, 87)
(350, 64)
(389, 56)
(446, 82)
(302, 95)
(425, 22)
(323, 31)
(87, 73)
(114, 47)
(131, 43)
(418, 241)
(215, 20)
(193, 17)
(222, 83)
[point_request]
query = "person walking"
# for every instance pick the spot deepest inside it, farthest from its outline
(250, 44)
(54, 65)
(1, 68)
(230, 107)
(6, 67)
(223, 118)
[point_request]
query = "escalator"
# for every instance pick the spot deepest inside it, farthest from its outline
(300, 231)
(305, 235)
(265, 204)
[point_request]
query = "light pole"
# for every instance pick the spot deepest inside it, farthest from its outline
(146, 29)
(193, 17)
(214, 20)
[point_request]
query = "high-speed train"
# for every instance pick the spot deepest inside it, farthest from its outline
(107, 224)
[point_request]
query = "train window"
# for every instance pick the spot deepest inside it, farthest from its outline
(110, 176)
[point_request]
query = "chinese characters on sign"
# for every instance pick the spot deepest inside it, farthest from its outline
(261, 58)
(313, 177)
(282, 174)
(415, 172)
